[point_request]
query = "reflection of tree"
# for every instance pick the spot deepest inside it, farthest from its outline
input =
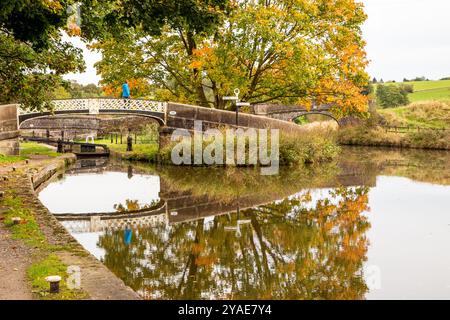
(291, 249)
(134, 205)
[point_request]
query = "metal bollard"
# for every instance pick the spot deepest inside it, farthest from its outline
(129, 143)
(54, 283)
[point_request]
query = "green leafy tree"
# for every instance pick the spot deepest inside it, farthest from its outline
(391, 96)
(32, 55)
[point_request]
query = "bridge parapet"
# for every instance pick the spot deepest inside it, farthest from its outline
(95, 105)
(268, 109)
(100, 224)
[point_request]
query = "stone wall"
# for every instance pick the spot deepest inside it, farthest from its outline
(183, 116)
(9, 133)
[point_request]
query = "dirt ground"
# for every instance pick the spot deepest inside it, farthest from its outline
(15, 257)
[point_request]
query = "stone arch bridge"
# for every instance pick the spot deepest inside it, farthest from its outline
(290, 112)
(169, 115)
(172, 116)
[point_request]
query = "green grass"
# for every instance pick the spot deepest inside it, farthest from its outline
(141, 152)
(28, 149)
(52, 265)
(28, 230)
(438, 94)
(428, 90)
(10, 159)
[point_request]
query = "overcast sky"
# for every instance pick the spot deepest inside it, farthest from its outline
(405, 39)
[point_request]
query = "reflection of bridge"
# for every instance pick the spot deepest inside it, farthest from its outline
(176, 206)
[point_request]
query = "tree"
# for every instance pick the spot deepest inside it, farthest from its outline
(32, 55)
(291, 249)
(391, 96)
(274, 51)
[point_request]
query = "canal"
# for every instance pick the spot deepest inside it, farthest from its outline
(373, 225)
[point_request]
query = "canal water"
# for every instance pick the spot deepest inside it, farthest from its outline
(373, 225)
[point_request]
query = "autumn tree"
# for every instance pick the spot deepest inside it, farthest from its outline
(283, 51)
(32, 55)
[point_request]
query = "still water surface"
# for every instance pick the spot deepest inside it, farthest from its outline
(375, 225)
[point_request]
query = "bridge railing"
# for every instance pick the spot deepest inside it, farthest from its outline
(94, 105)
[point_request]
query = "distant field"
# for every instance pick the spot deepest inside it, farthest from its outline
(429, 90)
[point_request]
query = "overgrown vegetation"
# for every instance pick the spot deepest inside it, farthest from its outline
(75, 90)
(419, 125)
(430, 114)
(312, 146)
(378, 136)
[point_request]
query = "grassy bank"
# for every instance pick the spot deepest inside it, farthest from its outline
(27, 150)
(428, 114)
(424, 125)
(46, 262)
(141, 152)
(377, 136)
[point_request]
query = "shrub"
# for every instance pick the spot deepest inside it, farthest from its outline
(312, 146)
(391, 96)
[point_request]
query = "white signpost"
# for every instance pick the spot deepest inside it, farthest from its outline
(237, 103)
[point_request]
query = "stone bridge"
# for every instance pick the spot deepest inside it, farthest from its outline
(172, 116)
(167, 114)
(290, 113)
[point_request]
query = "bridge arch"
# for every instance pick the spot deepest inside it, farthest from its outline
(94, 106)
(327, 114)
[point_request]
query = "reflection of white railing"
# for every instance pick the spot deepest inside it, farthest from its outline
(96, 224)
(96, 104)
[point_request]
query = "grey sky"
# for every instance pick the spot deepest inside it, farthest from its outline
(405, 38)
(408, 38)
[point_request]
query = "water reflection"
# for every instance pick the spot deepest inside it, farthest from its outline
(283, 250)
(100, 192)
(308, 233)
